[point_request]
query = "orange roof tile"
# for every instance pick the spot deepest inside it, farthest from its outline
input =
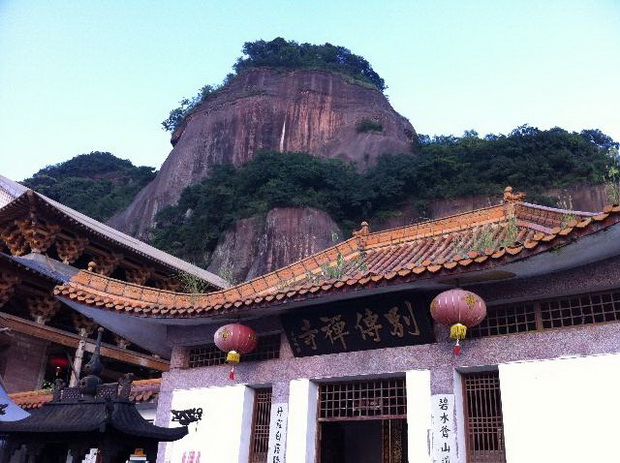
(460, 243)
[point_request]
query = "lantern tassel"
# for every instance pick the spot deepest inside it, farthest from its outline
(231, 375)
(233, 357)
(458, 331)
(457, 348)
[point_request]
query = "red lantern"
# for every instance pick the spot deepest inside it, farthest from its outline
(235, 339)
(459, 308)
(58, 361)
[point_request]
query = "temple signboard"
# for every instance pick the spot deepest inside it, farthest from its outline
(369, 323)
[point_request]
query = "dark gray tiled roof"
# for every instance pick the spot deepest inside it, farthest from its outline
(91, 416)
(43, 265)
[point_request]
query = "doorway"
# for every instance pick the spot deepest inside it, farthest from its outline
(376, 441)
(363, 422)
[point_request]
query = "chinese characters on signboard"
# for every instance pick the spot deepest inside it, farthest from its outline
(277, 432)
(443, 429)
(359, 325)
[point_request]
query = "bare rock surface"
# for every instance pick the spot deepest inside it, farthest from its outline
(261, 244)
(300, 111)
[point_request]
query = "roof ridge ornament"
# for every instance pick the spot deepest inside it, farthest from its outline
(510, 199)
(362, 235)
(90, 382)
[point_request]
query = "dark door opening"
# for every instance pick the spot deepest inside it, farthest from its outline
(373, 441)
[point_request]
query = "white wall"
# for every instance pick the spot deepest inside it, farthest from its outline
(301, 436)
(563, 410)
(223, 433)
(418, 384)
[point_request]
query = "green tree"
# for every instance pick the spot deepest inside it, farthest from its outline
(97, 184)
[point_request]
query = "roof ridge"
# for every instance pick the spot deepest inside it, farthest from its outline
(186, 306)
(358, 248)
(558, 210)
(10, 190)
(438, 227)
(448, 217)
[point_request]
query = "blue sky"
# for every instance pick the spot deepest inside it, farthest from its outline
(80, 76)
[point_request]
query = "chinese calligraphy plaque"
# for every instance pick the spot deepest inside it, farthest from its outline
(369, 323)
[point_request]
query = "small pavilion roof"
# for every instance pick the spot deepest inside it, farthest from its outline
(451, 247)
(91, 416)
(15, 198)
(142, 391)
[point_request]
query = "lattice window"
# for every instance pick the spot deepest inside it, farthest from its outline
(584, 309)
(268, 348)
(259, 442)
(484, 424)
(377, 399)
(581, 310)
(516, 319)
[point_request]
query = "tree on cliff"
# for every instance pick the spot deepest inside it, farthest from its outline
(283, 54)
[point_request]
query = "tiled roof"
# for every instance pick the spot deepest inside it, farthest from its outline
(142, 391)
(9, 190)
(16, 200)
(451, 246)
(42, 265)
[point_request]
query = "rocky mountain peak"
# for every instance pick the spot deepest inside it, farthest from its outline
(322, 113)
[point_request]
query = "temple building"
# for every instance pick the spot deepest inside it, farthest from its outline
(352, 366)
(44, 244)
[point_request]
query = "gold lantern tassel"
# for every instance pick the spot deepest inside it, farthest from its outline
(232, 357)
(458, 331)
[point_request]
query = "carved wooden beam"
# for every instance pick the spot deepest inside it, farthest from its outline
(121, 342)
(70, 249)
(8, 282)
(168, 284)
(138, 276)
(65, 338)
(105, 264)
(38, 232)
(83, 325)
(42, 308)
(14, 240)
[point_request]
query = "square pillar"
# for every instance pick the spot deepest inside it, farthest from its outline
(302, 424)
(418, 384)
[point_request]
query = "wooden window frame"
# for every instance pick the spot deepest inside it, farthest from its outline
(361, 401)
(551, 314)
(491, 424)
(209, 355)
(261, 417)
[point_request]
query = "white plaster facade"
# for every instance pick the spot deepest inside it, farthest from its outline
(558, 410)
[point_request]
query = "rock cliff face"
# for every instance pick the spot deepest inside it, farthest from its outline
(258, 245)
(308, 111)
